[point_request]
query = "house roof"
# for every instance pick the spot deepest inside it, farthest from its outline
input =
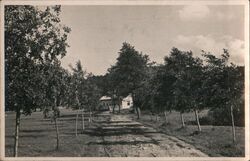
(105, 98)
(128, 98)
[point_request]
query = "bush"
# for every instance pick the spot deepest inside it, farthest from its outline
(222, 117)
(205, 120)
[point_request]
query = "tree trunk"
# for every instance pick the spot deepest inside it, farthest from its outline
(57, 134)
(156, 117)
(113, 108)
(83, 125)
(119, 106)
(138, 112)
(45, 113)
(165, 114)
(90, 116)
(197, 120)
(182, 120)
(137, 109)
(18, 115)
(56, 114)
(76, 121)
(233, 127)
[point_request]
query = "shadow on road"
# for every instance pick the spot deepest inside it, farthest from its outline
(123, 142)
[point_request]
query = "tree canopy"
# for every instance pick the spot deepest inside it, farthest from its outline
(32, 38)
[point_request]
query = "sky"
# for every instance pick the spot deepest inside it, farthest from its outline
(99, 31)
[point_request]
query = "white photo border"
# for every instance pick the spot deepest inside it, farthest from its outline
(114, 3)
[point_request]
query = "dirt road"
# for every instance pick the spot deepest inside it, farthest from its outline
(120, 136)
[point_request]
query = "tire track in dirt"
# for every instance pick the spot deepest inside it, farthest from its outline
(120, 136)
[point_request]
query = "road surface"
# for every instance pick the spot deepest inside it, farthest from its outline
(120, 136)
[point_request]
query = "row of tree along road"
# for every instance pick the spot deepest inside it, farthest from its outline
(35, 41)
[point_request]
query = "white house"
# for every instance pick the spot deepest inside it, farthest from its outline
(127, 102)
(107, 104)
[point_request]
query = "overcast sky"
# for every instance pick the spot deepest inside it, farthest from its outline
(99, 31)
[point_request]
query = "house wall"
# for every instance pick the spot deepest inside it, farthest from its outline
(127, 102)
(107, 104)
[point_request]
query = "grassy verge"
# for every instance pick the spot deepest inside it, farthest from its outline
(38, 137)
(215, 141)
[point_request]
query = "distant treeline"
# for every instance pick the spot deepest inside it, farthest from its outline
(182, 83)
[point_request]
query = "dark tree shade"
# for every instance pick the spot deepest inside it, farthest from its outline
(32, 37)
(34, 40)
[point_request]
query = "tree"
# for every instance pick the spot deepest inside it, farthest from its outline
(183, 75)
(93, 94)
(150, 97)
(78, 83)
(128, 72)
(53, 85)
(85, 93)
(225, 85)
(101, 82)
(164, 97)
(32, 36)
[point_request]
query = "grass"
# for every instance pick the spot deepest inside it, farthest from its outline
(38, 136)
(215, 141)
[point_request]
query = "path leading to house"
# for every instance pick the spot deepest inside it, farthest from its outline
(120, 136)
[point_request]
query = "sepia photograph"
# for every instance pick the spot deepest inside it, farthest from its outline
(106, 79)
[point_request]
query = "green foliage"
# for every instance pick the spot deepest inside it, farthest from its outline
(147, 91)
(83, 91)
(33, 39)
(53, 85)
(224, 82)
(102, 83)
(180, 82)
(77, 85)
(93, 94)
(183, 83)
(222, 117)
(129, 71)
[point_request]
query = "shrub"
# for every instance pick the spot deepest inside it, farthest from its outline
(222, 117)
(205, 120)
